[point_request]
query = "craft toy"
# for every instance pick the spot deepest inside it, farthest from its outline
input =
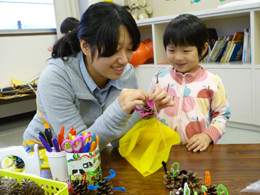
(207, 179)
(223, 188)
(176, 181)
(186, 189)
(104, 186)
(186, 183)
(148, 111)
(212, 189)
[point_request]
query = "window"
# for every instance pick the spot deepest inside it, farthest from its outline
(27, 14)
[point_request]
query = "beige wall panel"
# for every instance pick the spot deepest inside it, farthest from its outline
(170, 7)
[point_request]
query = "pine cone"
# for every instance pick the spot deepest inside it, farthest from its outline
(80, 187)
(149, 111)
(172, 182)
(9, 187)
(29, 187)
(211, 189)
(194, 182)
(105, 188)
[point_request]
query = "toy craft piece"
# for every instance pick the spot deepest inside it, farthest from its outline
(31, 162)
(143, 53)
(105, 186)
(213, 189)
(176, 181)
(210, 188)
(139, 10)
(148, 111)
(147, 144)
(222, 190)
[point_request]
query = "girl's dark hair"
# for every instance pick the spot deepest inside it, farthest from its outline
(99, 27)
(187, 30)
(68, 25)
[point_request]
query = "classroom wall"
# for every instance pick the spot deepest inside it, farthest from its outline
(170, 7)
(23, 57)
(84, 4)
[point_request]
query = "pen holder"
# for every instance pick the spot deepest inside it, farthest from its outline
(84, 166)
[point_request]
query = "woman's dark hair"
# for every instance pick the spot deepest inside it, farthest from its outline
(187, 30)
(99, 27)
(68, 25)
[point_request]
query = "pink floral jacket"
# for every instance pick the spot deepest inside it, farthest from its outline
(200, 106)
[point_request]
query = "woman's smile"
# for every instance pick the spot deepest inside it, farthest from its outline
(118, 70)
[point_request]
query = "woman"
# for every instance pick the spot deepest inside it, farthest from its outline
(89, 84)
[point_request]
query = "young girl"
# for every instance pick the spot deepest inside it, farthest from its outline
(201, 109)
(89, 84)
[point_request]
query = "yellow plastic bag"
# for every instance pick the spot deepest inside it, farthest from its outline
(147, 144)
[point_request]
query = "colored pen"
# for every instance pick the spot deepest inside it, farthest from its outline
(93, 146)
(72, 131)
(86, 148)
(42, 134)
(70, 136)
(48, 135)
(61, 136)
(94, 137)
(55, 144)
(97, 140)
(45, 144)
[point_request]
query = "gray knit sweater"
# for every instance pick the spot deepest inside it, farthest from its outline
(64, 99)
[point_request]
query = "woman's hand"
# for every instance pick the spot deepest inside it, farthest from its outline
(160, 98)
(199, 142)
(130, 98)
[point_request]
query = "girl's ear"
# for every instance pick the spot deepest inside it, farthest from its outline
(85, 47)
(206, 45)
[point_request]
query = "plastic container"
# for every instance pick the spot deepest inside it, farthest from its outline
(84, 165)
(58, 165)
(49, 186)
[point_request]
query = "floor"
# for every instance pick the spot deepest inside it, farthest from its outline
(12, 128)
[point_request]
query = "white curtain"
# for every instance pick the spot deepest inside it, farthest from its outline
(64, 9)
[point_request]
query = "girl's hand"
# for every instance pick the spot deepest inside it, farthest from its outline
(199, 142)
(160, 98)
(129, 98)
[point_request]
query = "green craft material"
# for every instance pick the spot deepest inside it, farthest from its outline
(176, 171)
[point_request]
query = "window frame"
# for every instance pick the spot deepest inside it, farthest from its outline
(62, 9)
(29, 31)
